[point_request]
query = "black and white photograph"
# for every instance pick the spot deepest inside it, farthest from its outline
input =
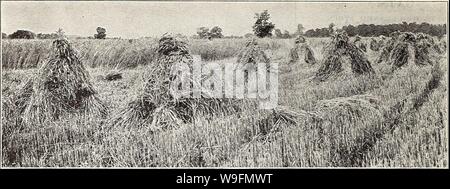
(224, 84)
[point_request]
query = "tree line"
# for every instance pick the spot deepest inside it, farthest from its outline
(263, 27)
(25, 34)
(372, 30)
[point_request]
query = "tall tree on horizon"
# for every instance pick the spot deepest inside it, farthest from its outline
(263, 27)
(101, 33)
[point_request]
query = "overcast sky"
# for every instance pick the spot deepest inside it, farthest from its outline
(139, 19)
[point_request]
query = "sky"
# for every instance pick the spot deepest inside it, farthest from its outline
(150, 19)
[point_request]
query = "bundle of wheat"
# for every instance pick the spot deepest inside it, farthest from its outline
(353, 105)
(61, 86)
(274, 120)
(112, 76)
(346, 120)
(438, 45)
(250, 56)
(341, 51)
(425, 46)
(388, 46)
(419, 49)
(442, 44)
(302, 52)
(252, 53)
(402, 50)
(359, 43)
(157, 108)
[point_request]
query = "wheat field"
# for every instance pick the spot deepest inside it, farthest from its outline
(382, 120)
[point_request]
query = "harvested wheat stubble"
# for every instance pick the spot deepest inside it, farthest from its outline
(392, 117)
(61, 86)
(302, 52)
(339, 52)
(409, 48)
(156, 108)
(267, 128)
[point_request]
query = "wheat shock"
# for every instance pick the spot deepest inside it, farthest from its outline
(187, 179)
